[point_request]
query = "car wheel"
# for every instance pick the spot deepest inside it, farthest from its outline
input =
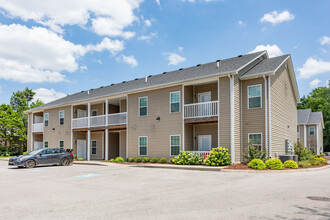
(30, 164)
(65, 162)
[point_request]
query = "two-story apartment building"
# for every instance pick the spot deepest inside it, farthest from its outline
(223, 103)
(310, 129)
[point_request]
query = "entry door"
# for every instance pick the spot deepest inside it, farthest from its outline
(204, 142)
(204, 110)
(81, 149)
(38, 145)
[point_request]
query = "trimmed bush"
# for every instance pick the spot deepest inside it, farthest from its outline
(322, 160)
(257, 164)
(105, 160)
(304, 164)
(146, 159)
(127, 159)
(172, 160)
(163, 160)
(80, 159)
(218, 157)
(132, 159)
(154, 160)
(274, 164)
(290, 164)
(28, 152)
(112, 160)
(138, 159)
(119, 160)
(188, 158)
(254, 153)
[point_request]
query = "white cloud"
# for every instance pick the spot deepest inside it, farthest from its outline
(130, 60)
(39, 55)
(47, 95)
(193, 1)
(158, 2)
(180, 48)
(0, 89)
(276, 17)
(273, 50)
(313, 67)
(83, 68)
(115, 15)
(175, 59)
(240, 23)
(314, 84)
(147, 22)
(148, 37)
(98, 61)
(325, 40)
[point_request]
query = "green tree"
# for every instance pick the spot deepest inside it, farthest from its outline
(319, 100)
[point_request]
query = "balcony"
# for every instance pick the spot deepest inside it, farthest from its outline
(201, 110)
(38, 127)
(100, 121)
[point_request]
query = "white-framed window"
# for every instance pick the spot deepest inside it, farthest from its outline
(143, 146)
(94, 112)
(312, 131)
(254, 96)
(143, 106)
(175, 144)
(61, 144)
(46, 119)
(256, 139)
(175, 102)
(61, 116)
(46, 144)
(94, 147)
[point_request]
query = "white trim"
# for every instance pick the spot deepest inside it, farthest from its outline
(102, 147)
(255, 133)
(71, 132)
(119, 141)
(183, 125)
(218, 113)
(305, 136)
(232, 123)
(175, 102)
(248, 96)
(45, 119)
(269, 118)
(106, 144)
(309, 131)
(92, 147)
(47, 143)
(88, 114)
(266, 114)
(127, 128)
(242, 67)
(140, 146)
(59, 117)
(59, 144)
(89, 145)
(174, 145)
(317, 141)
(143, 106)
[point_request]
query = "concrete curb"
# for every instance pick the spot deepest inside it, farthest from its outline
(4, 159)
(181, 167)
(276, 171)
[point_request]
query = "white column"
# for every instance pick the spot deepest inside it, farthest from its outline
(88, 145)
(269, 118)
(218, 112)
(305, 136)
(232, 124)
(106, 112)
(266, 121)
(71, 127)
(317, 140)
(32, 148)
(127, 127)
(106, 144)
(182, 110)
(89, 114)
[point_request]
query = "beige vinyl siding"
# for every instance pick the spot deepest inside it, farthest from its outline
(188, 137)
(237, 119)
(98, 107)
(113, 144)
(158, 132)
(55, 132)
(122, 143)
(75, 108)
(38, 137)
(99, 137)
(188, 94)
(283, 111)
(320, 135)
(113, 109)
(29, 132)
(253, 119)
(210, 87)
(207, 129)
(301, 135)
(123, 106)
(224, 112)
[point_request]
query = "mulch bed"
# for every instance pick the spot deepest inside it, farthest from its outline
(243, 166)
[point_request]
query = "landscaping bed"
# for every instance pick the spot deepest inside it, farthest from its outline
(243, 166)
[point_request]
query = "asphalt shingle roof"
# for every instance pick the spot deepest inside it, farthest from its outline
(191, 73)
(306, 116)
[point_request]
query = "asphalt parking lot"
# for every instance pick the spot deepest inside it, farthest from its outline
(120, 192)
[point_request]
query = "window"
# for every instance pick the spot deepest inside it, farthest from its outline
(94, 147)
(175, 101)
(254, 96)
(143, 106)
(61, 113)
(175, 145)
(94, 112)
(48, 151)
(61, 144)
(143, 146)
(46, 144)
(256, 140)
(311, 130)
(46, 119)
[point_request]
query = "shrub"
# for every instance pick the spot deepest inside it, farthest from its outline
(163, 160)
(75, 159)
(274, 164)
(302, 152)
(187, 158)
(154, 160)
(146, 159)
(105, 160)
(127, 159)
(28, 152)
(257, 164)
(112, 160)
(132, 159)
(119, 160)
(254, 153)
(218, 157)
(80, 159)
(138, 159)
(315, 162)
(322, 160)
(290, 164)
(304, 163)
(172, 160)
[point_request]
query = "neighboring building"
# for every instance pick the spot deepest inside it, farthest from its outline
(222, 103)
(310, 129)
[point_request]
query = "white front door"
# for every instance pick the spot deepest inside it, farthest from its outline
(204, 97)
(204, 142)
(38, 145)
(81, 149)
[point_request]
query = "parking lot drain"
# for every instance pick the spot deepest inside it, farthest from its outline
(318, 198)
(36, 170)
(88, 175)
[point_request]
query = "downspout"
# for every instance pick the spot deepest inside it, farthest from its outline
(218, 112)
(270, 119)
(266, 121)
(182, 109)
(232, 139)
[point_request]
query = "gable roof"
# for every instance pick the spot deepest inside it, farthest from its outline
(306, 116)
(191, 73)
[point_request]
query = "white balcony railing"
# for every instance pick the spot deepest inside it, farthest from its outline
(38, 127)
(201, 110)
(100, 120)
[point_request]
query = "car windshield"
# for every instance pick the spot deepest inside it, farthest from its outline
(33, 152)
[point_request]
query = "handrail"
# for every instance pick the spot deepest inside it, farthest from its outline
(200, 103)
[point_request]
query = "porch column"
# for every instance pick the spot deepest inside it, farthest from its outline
(106, 130)
(71, 127)
(317, 140)
(305, 136)
(232, 117)
(32, 148)
(88, 145)
(182, 109)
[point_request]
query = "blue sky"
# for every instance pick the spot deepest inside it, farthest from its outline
(62, 47)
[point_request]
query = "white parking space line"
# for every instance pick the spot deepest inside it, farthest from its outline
(88, 175)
